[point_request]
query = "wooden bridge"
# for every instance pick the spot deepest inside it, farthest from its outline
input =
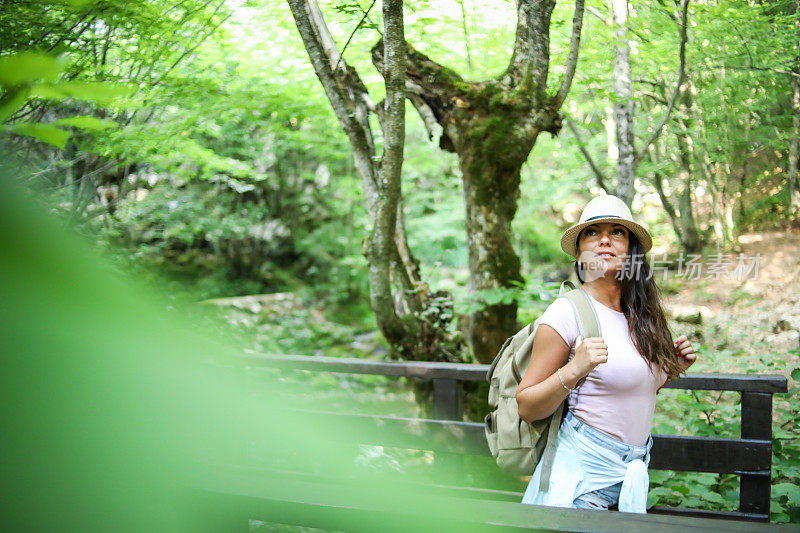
(329, 503)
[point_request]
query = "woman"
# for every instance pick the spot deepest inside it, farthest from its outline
(604, 441)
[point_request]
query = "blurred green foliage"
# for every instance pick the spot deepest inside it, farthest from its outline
(130, 414)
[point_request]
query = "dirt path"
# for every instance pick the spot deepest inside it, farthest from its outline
(760, 317)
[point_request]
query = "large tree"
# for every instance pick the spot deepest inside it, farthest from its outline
(492, 125)
(408, 315)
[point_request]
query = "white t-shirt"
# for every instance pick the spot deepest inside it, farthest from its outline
(618, 396)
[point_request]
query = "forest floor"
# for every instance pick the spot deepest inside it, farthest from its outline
(756, 316)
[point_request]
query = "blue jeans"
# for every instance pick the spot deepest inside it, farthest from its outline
(608, 496)
(600, 499)
(592, 470)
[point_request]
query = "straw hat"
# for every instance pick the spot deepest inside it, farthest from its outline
(605, 208)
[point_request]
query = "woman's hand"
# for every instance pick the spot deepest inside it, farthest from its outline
(589, 353)
(685, 352)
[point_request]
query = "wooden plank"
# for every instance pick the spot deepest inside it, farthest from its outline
(411, 369)
(702, 513)
(754, 492)
(670, 452)
(466, 438)
(478, 493)
(707, 454)
(369, 507)
(397, 478)
(731, 382)
(468, 372)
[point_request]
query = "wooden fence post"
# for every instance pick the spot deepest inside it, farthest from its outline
(446, 399)
(755, 487)
(447, 406)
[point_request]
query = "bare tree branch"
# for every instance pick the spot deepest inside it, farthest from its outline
(607, 22)
(323, 34)
(432, 127)
(366, 15)
(323, 59)
(572, 59)
(433, 90)
(347, 42)
(658, 98)
(681, 72)
(465, 30)
(763, 69)
(582, 147)
(599, 16)
(657, 84)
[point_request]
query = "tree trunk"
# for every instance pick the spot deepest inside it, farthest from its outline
(492, 129)
(381, 248)
(412, 331)
(619, 118)
(492, 126)
(690, 237)
(658, 183)
(623, 104)
(794, 143)
(491, 190)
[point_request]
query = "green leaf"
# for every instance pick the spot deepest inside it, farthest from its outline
(43, 132)
(796, 374)
(790, 490)
(709, 495)
(86, 122)
(659, 492)
(683, 489)
(492, 296)
(17, 69)
(47, 91)
(101, 93)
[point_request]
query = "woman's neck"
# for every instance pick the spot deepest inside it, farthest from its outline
(606, 291)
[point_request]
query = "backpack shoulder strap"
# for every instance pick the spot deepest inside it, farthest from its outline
(588, 323)
(565, 283)
(589, 326)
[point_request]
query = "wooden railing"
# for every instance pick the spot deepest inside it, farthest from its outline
(748, 456)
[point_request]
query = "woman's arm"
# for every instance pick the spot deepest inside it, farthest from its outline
(540, 392)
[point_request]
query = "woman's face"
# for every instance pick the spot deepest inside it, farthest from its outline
(603, 248)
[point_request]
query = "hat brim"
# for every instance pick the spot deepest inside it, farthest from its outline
(569, 238)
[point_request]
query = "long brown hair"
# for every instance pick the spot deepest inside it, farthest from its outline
(641, 304)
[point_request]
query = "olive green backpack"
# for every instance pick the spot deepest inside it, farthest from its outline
(517, 445)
